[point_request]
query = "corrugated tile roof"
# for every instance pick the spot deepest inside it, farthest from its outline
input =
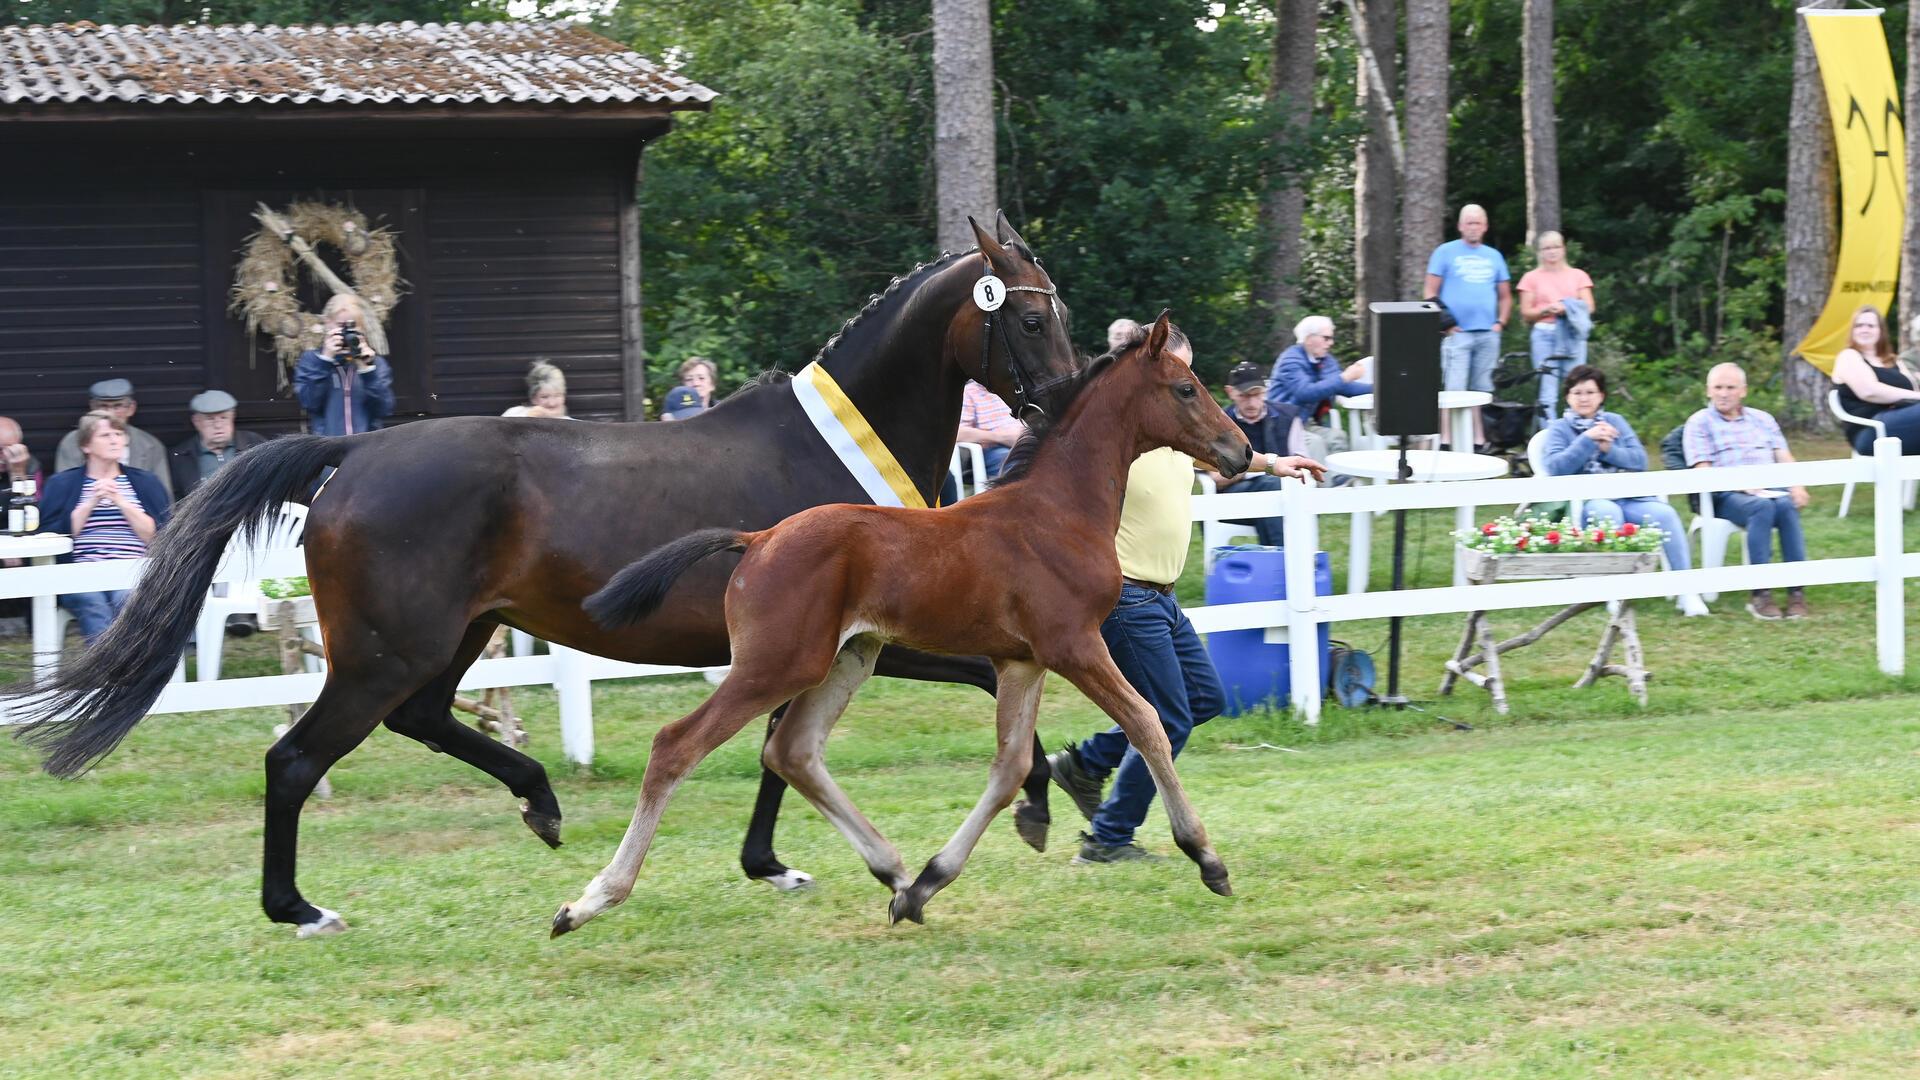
(385, 63)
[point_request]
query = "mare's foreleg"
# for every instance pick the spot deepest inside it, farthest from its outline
(756, 851)
(1092, 670)
(1019, 701)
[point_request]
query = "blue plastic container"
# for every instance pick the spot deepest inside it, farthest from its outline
(1253, 672)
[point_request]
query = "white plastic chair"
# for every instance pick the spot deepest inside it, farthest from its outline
(1215, 533)
(243, 597)
(1537, 461)
(1908, 488)
(977, 455)
(1714, 532)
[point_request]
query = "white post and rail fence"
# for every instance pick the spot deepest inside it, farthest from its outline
(571, 673)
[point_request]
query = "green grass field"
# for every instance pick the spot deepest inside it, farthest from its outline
(1721, 885)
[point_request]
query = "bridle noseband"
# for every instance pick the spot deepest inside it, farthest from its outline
(1026, 396)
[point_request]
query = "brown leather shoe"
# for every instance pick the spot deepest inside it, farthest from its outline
(1760, 605)
(1796, 605)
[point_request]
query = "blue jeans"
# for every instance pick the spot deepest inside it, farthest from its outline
(94, 610)
(1269, 529)
(1760, 516)
(1645, 510)
(1543, 342)
(1158, 652)
(1467, 358)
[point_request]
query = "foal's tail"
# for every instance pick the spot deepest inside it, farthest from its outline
(82, 713)
(638, 590)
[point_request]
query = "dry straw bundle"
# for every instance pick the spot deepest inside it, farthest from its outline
(266, 285)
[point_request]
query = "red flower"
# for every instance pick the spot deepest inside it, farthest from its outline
(1487, 529)
(1599, 535)
(1553, 537)
(1520, 543)
(1629, 529)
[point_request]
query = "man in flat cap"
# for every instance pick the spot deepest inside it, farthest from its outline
(115, 397)
(213, 443)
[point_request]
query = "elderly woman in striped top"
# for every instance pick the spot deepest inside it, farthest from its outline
(111, 510)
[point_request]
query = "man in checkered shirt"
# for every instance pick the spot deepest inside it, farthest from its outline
(1728, 435)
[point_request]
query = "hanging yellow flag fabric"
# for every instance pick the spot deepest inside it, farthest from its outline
(1871, 141)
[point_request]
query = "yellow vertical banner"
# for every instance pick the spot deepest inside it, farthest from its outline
(1871, 144)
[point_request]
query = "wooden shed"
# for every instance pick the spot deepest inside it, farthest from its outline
(504, 156)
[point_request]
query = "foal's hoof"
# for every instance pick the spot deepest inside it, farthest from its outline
(788, 879)
(329, 922)
(564, 922)
(906, 904)
(544, 826)
(1031, 823)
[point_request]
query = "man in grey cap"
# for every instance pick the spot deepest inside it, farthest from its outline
(213, 444)
(115, 396)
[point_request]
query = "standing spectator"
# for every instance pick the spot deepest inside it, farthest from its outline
(19, 462)
(681, 402)
(1470, 278)
(111, 512)
(344, 394)
(700, 374)
(140, 450)
(1152, 643)
(546, 393)
(1557, 299)
(1308, 378)
(1275, 432)
(1588, 440)
(1875, 386)
(1728, 435)
(213, 443)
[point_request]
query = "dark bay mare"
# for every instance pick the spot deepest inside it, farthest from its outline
(818, 597)
(431, 534)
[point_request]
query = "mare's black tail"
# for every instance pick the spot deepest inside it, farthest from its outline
(82, 713)
(638, 590)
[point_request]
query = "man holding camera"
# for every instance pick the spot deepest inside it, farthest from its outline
(343, 385)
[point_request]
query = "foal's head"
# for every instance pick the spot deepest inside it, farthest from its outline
(1172, 406)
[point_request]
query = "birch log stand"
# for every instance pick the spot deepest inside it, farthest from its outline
(1484, 567)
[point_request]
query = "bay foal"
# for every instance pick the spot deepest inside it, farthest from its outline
(1023, 574)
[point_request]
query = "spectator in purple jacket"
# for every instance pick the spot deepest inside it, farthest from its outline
(1307, 377)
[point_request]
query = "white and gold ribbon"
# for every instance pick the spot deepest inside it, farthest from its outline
(853, 440)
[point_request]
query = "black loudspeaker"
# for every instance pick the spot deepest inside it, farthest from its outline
(1406, 367)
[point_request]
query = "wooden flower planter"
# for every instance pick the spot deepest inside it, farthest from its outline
(1486, 566)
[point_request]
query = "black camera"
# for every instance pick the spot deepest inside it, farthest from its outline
(349, 344)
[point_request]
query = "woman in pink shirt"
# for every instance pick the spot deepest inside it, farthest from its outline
(1544, 292)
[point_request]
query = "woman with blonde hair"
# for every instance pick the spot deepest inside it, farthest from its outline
(1545, 291)
(700, 374)
(1876, 385)
(546, 393)
(111, 511)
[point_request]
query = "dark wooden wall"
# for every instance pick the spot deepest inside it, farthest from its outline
(116, 254)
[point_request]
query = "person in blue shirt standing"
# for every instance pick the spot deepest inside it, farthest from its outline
(343, 394)
(1471, 279)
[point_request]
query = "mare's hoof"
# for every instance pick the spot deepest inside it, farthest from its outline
(788, 880)
(1219, 885)
(1031, 823)
(544, 826)
(328, 923)
(905, 905)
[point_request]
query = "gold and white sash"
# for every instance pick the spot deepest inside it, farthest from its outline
(853, 440)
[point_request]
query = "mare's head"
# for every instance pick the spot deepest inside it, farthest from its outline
(1171, 406)
(1020, 350)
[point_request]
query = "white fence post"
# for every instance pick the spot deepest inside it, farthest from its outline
(1301, 533)
(1889, 592)
(575, 691)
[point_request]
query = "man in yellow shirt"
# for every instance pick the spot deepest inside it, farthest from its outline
(1152, 643)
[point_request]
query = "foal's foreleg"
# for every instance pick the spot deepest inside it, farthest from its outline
(1093, 671)
(1019, 700)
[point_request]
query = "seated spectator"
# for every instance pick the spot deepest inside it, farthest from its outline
(213, 443)
(111, 511)
(343, 394)
(546, 393)
(1276, 435)
(1588, 440)
(987, 420)
(682, 402)
(1307, 377)
(1726, 435)
(142, 451)
(1874, 385)
(19, 461)
(700, 374)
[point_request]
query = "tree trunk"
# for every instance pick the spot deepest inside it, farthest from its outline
(1910, 247)
(1376, 194)
(963, 132)
(1810, 225)
(1276, 291)
(1537, 122)
(1423, 206)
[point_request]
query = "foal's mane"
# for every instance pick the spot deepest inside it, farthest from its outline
(1020, 458)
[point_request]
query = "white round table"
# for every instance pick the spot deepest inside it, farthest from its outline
(1457, 402)
(40, 549)
(1428, 465)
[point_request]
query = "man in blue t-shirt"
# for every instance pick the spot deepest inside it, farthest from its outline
(1471, 279)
